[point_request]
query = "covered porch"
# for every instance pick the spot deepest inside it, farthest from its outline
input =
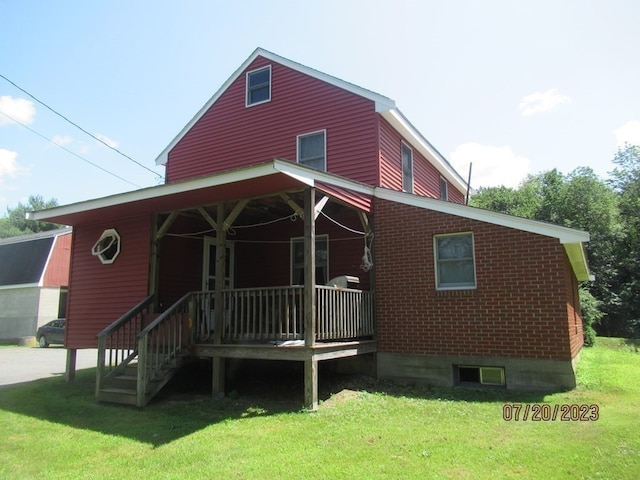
(288, 268)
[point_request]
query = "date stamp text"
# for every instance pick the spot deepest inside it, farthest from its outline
(544, 412)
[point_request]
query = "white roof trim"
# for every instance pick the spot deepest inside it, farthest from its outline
(35, 236)
(19, 286)
(419, 142)
(157, 191)
(382, 103)
(564, 234)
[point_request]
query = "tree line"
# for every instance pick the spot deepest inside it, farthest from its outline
(610, 211)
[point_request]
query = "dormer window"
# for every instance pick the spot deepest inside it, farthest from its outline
(312, 150)
(258, 86)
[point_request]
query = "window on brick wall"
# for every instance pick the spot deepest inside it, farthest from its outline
(454, 261)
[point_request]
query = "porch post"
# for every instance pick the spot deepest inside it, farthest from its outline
(310, 365)
(70, 370)
(219, 363)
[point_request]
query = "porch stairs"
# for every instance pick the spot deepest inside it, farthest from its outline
(122, 388)
(140, 352)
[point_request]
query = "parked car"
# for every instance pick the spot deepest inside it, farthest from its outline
(52, 332)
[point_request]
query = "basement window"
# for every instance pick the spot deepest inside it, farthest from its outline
(258, 86)
(107, 248)
(472, 375)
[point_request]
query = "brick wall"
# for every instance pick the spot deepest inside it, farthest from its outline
(523, 306)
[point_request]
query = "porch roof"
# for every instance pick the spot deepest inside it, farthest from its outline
(278, 176)
(260, 180)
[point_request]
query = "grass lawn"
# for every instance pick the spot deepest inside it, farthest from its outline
(365, 429)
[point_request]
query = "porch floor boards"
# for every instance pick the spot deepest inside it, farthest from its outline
(267, 351)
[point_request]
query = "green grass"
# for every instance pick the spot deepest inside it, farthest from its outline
(366, 429)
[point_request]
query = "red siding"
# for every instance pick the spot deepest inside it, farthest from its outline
(231, 135)
(57, 272)
(520, 306)
(426, 178)
(99, 294)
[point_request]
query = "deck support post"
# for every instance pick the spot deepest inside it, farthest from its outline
(311, 385)
(218, 306)
(310, 365)
(70, 370)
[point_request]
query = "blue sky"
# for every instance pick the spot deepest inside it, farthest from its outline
(516, 87)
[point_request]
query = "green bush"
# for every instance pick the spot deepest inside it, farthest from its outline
(591, 315)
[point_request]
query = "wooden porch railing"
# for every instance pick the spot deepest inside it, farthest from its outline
(118, 343)
(264, 314)
(343, 313)
(277, 314)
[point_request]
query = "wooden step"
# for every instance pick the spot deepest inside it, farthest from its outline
(128, 382)
(123, 396)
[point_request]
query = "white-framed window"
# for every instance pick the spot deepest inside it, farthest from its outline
(407, 168)
(454, 261)
(258, 86)
(322, 260)
(475, 375)
(312, 149)
(107, 248)
(444, 189)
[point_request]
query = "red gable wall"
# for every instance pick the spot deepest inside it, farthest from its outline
(426, 178)
(523, 307)
(231, 135)
(100, 294)
(57, 272)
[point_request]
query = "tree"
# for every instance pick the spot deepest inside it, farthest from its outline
(15, 222)
(626, 182)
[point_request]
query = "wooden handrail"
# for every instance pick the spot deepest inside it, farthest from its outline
(160, 344)
(127, 316)
(120, 339)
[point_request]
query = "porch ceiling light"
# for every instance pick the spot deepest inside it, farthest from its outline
(107, 248)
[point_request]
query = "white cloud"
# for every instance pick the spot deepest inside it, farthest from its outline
(62, 140)
(107, 140)
(18, 108)
(8, 165)
(540, 102)
(628, 133)
(492, 166)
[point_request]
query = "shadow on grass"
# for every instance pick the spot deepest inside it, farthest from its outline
(186, 406)
(633, 344)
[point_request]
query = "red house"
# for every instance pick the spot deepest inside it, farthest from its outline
(304, 218)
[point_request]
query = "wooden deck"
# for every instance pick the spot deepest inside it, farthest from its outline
(286, 351)
(260, 323)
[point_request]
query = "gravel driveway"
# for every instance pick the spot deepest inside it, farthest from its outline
(24, 364)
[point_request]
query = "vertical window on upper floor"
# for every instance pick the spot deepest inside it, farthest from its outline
(407, 169)
(444, 189)
(454, 261)
(312, 150)
(258, 86)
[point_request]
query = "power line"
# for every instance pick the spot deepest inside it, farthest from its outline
(79, 127)
(69, 151)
